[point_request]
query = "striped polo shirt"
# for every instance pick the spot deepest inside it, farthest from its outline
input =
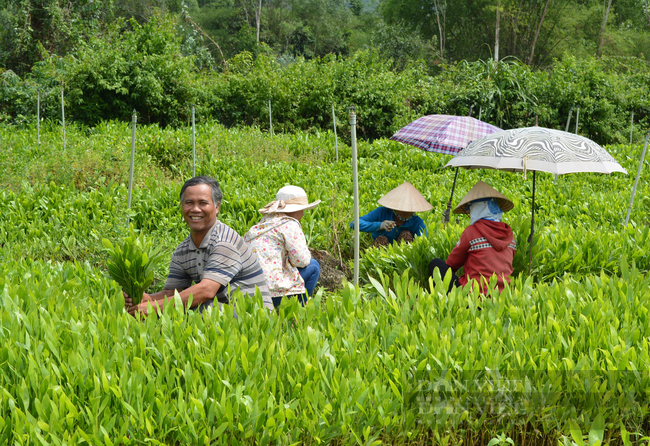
(223, 257)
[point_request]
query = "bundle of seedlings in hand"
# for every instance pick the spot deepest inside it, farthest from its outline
(132, 265)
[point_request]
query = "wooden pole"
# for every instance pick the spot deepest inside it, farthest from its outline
(38, 117)
(532, 228)
(128, 205)
(336, 139)
(568, 120)
(193, 145)
(636, 182)
(63, 116)
(270, 119)
(355, 188)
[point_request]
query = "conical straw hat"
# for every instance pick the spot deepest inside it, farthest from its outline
(405, 198)
(483, 190)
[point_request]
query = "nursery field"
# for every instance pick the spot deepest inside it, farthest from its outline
(560, 357)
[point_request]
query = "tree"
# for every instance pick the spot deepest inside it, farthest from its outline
(29, 29)
(441, 9)
(645, 6)
(602, 29)
(496, 34)
(539, 27)
(257, 9)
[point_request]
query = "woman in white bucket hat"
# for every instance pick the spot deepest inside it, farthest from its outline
(395, 219)
(281, 247)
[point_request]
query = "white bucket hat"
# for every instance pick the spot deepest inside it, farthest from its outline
(289, 199)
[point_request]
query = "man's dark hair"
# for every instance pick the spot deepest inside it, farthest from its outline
(214, 185)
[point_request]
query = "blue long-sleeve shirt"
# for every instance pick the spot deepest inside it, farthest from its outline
(372, 221)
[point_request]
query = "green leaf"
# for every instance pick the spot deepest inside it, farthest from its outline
(576, 433)
(597, 431)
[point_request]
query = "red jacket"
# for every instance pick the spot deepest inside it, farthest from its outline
(485, 248)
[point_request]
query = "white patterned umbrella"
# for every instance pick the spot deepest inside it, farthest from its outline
(536, 149)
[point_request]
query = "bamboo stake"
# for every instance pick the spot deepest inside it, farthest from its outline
(636, 182)
(532, 227)
(270, 119)
(63, 116)
(631, 126)
(193, 145)
(355, 187)
(128, 206)
(577, 119)
(38, 116)
(568, 120)
(336, 139)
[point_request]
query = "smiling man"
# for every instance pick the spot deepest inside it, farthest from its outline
(213, 262)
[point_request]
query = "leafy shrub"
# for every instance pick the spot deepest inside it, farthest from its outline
(133, 66)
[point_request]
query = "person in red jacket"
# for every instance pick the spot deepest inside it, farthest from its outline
(487, 246)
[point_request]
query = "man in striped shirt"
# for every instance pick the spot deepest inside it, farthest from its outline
(212, 262)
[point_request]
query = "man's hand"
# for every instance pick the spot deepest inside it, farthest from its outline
(387, 225)
(140, 308)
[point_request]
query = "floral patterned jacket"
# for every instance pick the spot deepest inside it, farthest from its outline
(281, 247)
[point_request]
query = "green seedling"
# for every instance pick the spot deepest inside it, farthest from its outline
(133, 263)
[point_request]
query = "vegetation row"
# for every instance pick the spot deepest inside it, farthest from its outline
(561, 355)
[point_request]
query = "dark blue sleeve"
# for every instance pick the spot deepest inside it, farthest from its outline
(420, 227)
(372, 220)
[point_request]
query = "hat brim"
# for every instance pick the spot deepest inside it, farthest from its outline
(482, 190)
(405, 198)
(298, 207)
(505, 205)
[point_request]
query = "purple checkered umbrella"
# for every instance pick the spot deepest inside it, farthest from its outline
(444, 134)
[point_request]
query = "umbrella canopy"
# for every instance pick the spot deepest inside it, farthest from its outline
(536, 149)
(444, 134)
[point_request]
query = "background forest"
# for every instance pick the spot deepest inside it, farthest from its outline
(534, 31)
(509, 60)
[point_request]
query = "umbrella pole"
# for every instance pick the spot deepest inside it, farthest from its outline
(447, 213)
(636, 182)
(532, 228)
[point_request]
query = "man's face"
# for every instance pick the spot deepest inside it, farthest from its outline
(199, 211)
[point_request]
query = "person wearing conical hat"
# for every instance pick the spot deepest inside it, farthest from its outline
(395, 219)
(281, 247)
(487, 246)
